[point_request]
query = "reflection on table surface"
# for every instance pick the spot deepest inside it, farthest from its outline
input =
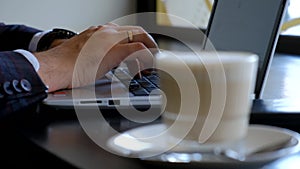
(69, 142)
(283, 80)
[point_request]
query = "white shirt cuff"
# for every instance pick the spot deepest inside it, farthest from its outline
(35, 40)
(30, 57)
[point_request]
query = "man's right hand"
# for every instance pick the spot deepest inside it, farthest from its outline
(86, 57)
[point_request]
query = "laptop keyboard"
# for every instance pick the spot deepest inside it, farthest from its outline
(138, 86)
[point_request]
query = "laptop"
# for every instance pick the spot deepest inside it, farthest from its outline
(117, 89)
(248, 25)
(235, 25)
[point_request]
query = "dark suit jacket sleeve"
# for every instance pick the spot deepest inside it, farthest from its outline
(20, 85)
(15, 36)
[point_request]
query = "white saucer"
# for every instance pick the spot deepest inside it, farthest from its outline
(262, 145)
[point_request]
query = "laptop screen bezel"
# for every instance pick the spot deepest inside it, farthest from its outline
(263, 69)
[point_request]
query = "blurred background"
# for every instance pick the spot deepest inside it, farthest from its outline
(77, 15)
(73, 14)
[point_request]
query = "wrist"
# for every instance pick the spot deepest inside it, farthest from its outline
(56, 42)
(53, 72)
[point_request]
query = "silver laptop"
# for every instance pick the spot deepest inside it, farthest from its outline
(236, 25)
(117, 89)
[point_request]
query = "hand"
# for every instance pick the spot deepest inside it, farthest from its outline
(88, 56)
(57, 42)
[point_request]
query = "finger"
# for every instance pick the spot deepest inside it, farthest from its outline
(112, 24)
(92, 27)
(121, 35)
(139, 61)
(142, 56)
(130, 27)
(131, 53)
(134, 68)
(88, 32)
(139, 36)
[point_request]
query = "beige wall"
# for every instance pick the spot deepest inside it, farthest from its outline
(73, 14)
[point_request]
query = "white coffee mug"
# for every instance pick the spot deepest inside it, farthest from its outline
(208, 95)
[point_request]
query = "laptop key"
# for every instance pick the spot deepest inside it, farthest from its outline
(138, 86)
(140, 92)
(134, 85)
(153, 78)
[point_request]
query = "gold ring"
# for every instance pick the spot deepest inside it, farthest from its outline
(130, 36)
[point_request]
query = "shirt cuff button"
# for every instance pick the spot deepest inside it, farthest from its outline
(26, 85)
(16, 86)
(6, 88)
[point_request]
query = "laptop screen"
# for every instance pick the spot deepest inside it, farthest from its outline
(247, 25)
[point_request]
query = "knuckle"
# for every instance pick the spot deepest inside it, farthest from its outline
(140, 30)
(105, 26)
(144, 35)
(138, 46)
